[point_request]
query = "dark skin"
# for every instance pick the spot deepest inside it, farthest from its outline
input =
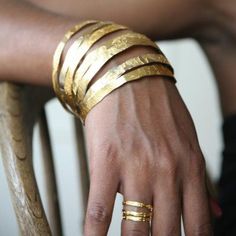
(154, 156)
(210, 22)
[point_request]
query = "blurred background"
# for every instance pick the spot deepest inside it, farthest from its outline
(197, 87)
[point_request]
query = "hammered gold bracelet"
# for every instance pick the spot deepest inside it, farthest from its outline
(79, 48)
(97, 58)
(86, 105)
(72, 78)
(118, 71)
(58, 54)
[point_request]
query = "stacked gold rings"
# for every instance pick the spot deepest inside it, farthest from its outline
(140, 216)
(72, 78)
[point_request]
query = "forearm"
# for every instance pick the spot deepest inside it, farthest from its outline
(159, 19)
(28, 40)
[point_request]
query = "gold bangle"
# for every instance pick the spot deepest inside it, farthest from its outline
(97, 58)
(71, 61)
(145, 71)
(71, 55)
(118, 71)
(77, 52)
(58, 54)
(80, 66)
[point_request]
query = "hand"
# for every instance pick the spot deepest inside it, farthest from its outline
(142, 143)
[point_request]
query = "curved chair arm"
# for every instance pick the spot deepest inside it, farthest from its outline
(19, 106)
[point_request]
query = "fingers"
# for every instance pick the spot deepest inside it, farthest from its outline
(102, 193)
(196, 213)
(167, 205)
(135, 188)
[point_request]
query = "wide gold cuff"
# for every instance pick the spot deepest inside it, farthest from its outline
(72, 78)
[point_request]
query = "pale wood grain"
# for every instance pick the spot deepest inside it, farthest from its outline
(19, 106)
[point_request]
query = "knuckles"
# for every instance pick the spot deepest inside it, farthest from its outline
(162, 159)
(97, 213)
(197, 167)
(105, 156)
(174, 162)
(167, 165)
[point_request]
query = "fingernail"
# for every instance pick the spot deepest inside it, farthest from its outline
(216, 208)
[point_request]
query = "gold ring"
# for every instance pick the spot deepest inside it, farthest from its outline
(140, 216)
(137, 213)
(137, 218)
(138, 204)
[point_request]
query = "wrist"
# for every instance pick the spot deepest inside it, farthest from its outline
(89, 73)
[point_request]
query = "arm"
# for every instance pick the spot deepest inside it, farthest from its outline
(141, 139)
(28, 43)
(154, 23)
(159, 19)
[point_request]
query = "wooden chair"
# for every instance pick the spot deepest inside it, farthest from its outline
(21, 106)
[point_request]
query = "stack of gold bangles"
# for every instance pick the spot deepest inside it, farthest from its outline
(144, 216)
(72, 77)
